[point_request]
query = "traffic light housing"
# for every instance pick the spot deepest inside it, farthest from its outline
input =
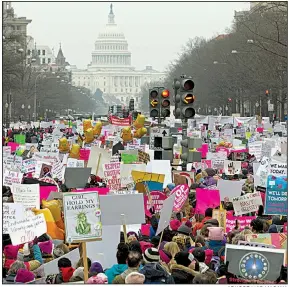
(131, 105)
(184, 98)
(154, 103)
(165, 103)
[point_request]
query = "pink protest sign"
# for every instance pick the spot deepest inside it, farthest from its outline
(13, 146)
(100, 190)
(260, 130)
(206, 198)
(243, 222)
(145, 229)
(222, 149)
(84, 154)
(204, 150)
(182, 193)
(157, 200)
(45, 191)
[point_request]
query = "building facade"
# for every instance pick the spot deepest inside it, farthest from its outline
(110, 69)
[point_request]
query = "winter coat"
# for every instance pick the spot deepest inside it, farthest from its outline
(218, 247)
(120, 279)
(156, 274)
(182, 274)
(115, 270)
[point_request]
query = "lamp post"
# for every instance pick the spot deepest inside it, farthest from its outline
(7, 115)
(22, 107)
(227, 108)
(28, 112)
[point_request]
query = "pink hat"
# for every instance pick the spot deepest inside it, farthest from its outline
(216, 233)
(175, 224)
(46, 246)
(98, 279)
(24, 276)
(11, 251)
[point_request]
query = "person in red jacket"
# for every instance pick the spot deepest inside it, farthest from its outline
(199, 225)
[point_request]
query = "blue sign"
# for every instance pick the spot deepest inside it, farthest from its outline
(276, 201)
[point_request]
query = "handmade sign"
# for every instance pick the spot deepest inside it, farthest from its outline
(84, 154)
(20, 139)
(181, 194)
(256, 149)
(26, 194)
(82, 216)
(45, 191)
(278, 168)
(206, 198)
(27, 228)
(156, 200)
(179, 175)
(11, 213)
(11, 177)
(243, 221)
(232, 167)
(255, 244)
(129, 158)
(125, 173)
(45, 170)
(279, 240)
(247, 203)
(28, 165)
(220, 215)
(147, 181)
(112, 175)
(143, 156)
(276, 202)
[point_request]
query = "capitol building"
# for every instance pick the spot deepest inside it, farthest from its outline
(110, 69)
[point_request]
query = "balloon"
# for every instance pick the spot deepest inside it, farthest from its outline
(140, 121)
(63, 145)
(74, 152)
(97, 129)
(88, 134)
(140, 133)
(87, 125)
(126, 134)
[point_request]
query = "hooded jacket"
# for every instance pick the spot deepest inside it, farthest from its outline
(64, 275)
(115, 270)
(156, 274)
(182, 274)
(120, 279)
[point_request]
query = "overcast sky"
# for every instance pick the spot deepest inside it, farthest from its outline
(155, 31)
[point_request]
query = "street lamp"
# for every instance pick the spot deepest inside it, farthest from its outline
(28, 112)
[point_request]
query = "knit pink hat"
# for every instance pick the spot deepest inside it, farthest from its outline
(46, 246)
(11, 251)
(175, 224)
(98, 279)
(24, 276)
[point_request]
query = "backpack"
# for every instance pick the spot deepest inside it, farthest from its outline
(215, 263)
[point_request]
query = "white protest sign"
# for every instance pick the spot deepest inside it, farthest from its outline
(11, 177)
(28, 165)
(6, 151)
(8, 160)
(57, 170)
(278, 168)
(111, 173)
(98, 155)
(161, 167)
(247, 203)
(229, 188)
(255, 149)
(18, 162)
(11, 213)
(232, 167)
(255, 244)
(26, 194)
(166, 213)
(125, 172)
(27, 228)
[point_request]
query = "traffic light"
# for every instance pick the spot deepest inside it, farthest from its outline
(131, 105)
(188, 155)
(184, 98)
(165, 103)
(267, 92)
(154, 103)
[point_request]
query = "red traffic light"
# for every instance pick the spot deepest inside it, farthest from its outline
(229, 100)
(165, 93)
(267, 92)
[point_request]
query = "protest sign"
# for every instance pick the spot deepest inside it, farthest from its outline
(129, 158)
(143, 156)
(13, 146)
(11, 177)
(84, 154)
(28, 165)
(147, 181)
(232, 167)
(182, 193)
(57, 170)
(100, 190)
(45, 191)
(229, 188)
(82, 216)
(243, 221)
(276, 200)
(6, 150)
(164, 166)
(11, 213)
(279, 240)
(179, 175)
(255, 244)
(125, 173)
(220, 215)
(97, 158)
(247, 203)
(155, 199)
(76, 177)
(166, 213)
(206, 198)
(278, 168)
(20, 139)
(255, 149)
(26, 194)
(45, 170)
(8, 160)
(111, 173)
(27, 228)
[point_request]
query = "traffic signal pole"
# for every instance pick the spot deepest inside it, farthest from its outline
(184, 137)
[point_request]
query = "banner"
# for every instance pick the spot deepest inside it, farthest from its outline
(114, 120)
(182, 193)
(243, 221)
(156, 200)
(276, 200)
(247, 203)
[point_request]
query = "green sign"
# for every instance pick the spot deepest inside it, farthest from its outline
(19, 139)
(129, 158)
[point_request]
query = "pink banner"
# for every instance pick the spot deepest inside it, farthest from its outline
(182, 193)
(239, 150)
(206, 198)
(45, 191)
(13, 145)
(120, 122)
(157, 200)
(100, 190)
(204, 150)
(84, 154)
(242, 220)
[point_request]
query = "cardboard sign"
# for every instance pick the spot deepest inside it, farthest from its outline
(247, 203)
(11, 213)
(232, 167)
(27, 228)
(26, 194)
(155, 199)
(256, 149)
(112, 175)
(229, 188)
(182, 193)
(183, 177)
(206, 198)
(82, 216)
(278, 168)
(276, 201)
(11, 177)
(220, 215)
(125, 173)
(242, 220)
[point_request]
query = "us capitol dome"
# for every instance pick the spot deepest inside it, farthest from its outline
(110, 69)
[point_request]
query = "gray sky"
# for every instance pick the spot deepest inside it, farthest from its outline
(155, 31)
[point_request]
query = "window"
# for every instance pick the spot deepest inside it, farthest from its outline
(39, 52)
(43, 60)
(28, 52)
(49, 60)
(18, 28)
(43, 52)
(104, 83)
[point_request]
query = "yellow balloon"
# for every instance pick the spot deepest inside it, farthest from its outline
(74, 152)
(140, 121)
(88, 134)
(140, 133)
(97, 129)
(87, 125)
(126, 134)
(63, 145)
